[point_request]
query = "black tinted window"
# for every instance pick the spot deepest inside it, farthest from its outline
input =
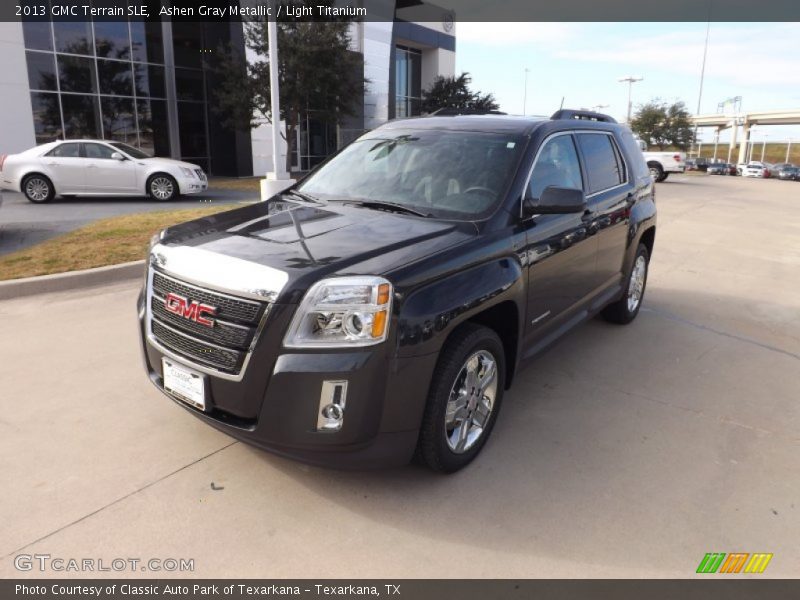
(557, 165)
(97, 151)
(602, 161)
(66, 151)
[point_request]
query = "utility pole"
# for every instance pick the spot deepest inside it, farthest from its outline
(763, 147)
(525, 93)
(702, 71)
(788, 150)
(630, 80)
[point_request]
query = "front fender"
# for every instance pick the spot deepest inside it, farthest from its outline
(428, 315)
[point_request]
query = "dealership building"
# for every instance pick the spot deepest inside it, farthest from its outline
(148, 84)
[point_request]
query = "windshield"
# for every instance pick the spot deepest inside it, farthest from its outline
(447, 174)
(130, 150)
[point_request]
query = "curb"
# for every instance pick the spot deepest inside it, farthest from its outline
(60, 282)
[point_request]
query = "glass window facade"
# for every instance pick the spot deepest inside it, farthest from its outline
(92, 79)
(408, 81)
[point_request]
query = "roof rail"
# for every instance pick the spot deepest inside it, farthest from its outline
(583, 115)
(454, 112)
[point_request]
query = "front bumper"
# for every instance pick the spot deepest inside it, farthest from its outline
(192, 185)
(275, 405)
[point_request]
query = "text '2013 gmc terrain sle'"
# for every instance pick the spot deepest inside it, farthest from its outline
(376, 311)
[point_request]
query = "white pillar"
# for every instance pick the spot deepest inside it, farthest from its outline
(278, 179)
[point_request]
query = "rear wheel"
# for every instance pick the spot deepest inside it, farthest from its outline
(38, 188)
(663, 177)
(464, 399)
(624, 310)
(656, 171)
(162, 187)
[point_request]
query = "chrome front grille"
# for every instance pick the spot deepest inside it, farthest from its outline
(222, 348)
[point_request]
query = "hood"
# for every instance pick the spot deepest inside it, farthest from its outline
(309, 242)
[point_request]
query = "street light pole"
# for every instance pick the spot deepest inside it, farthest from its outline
(630, 80)
(525, 93)
(763, 147)
(788, 150)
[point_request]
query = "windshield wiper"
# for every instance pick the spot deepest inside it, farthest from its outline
(302, 196)
(390, 206)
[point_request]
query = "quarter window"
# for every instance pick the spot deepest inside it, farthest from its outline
(557, 165)
(604, 166)
(66, 151)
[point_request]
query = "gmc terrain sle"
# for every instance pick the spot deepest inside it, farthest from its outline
(378, 310)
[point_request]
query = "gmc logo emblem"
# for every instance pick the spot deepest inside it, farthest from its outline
(192, 310)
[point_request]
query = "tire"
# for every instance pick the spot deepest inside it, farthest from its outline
(656, 171)
(662, 178)
(624, 310)
(162, 187)
(38, 188)
(463, 363)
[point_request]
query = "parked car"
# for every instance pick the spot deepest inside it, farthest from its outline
(378, 309)
(780, 166)
(97, 168)
(661, 164)
(789, 172)
(721, 169)
(756, 169)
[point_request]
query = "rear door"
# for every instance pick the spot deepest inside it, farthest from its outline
(66, 168)
(609, 198)
(105, 174)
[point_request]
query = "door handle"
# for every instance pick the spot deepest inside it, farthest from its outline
(52, 164)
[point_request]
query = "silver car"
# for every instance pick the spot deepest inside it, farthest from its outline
(97, 168)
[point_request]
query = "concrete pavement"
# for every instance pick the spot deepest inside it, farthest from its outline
(622, 452)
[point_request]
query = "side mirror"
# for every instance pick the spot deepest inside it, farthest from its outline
(117, 156)
(555, 200)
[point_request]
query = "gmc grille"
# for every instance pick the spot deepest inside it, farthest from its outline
(223, 346)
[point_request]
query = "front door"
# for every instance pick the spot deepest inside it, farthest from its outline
(560, 250)
(108, 175)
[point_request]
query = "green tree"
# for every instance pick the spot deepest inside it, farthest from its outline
(316, 72)
(454, 92)
(661, 124)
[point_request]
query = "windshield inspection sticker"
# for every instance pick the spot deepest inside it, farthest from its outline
(511, 144)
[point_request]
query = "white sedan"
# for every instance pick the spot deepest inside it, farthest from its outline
(97, 168)
(756, 169)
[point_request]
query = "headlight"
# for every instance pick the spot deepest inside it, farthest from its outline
(342, 312)
(188, 172)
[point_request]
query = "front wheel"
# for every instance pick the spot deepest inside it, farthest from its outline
(464, 399)
(663, 177)
(162, 187)
(624, 310)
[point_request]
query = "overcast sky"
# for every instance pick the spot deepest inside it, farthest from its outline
(583, 62)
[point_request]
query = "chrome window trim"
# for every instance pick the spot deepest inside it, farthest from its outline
(187, 361)
(574, 133)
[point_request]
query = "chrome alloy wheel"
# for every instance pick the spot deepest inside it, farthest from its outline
(162, 188)
(37, 189)
(471, 401)
(636, 284)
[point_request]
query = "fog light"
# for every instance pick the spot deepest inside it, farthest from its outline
(332, 399)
